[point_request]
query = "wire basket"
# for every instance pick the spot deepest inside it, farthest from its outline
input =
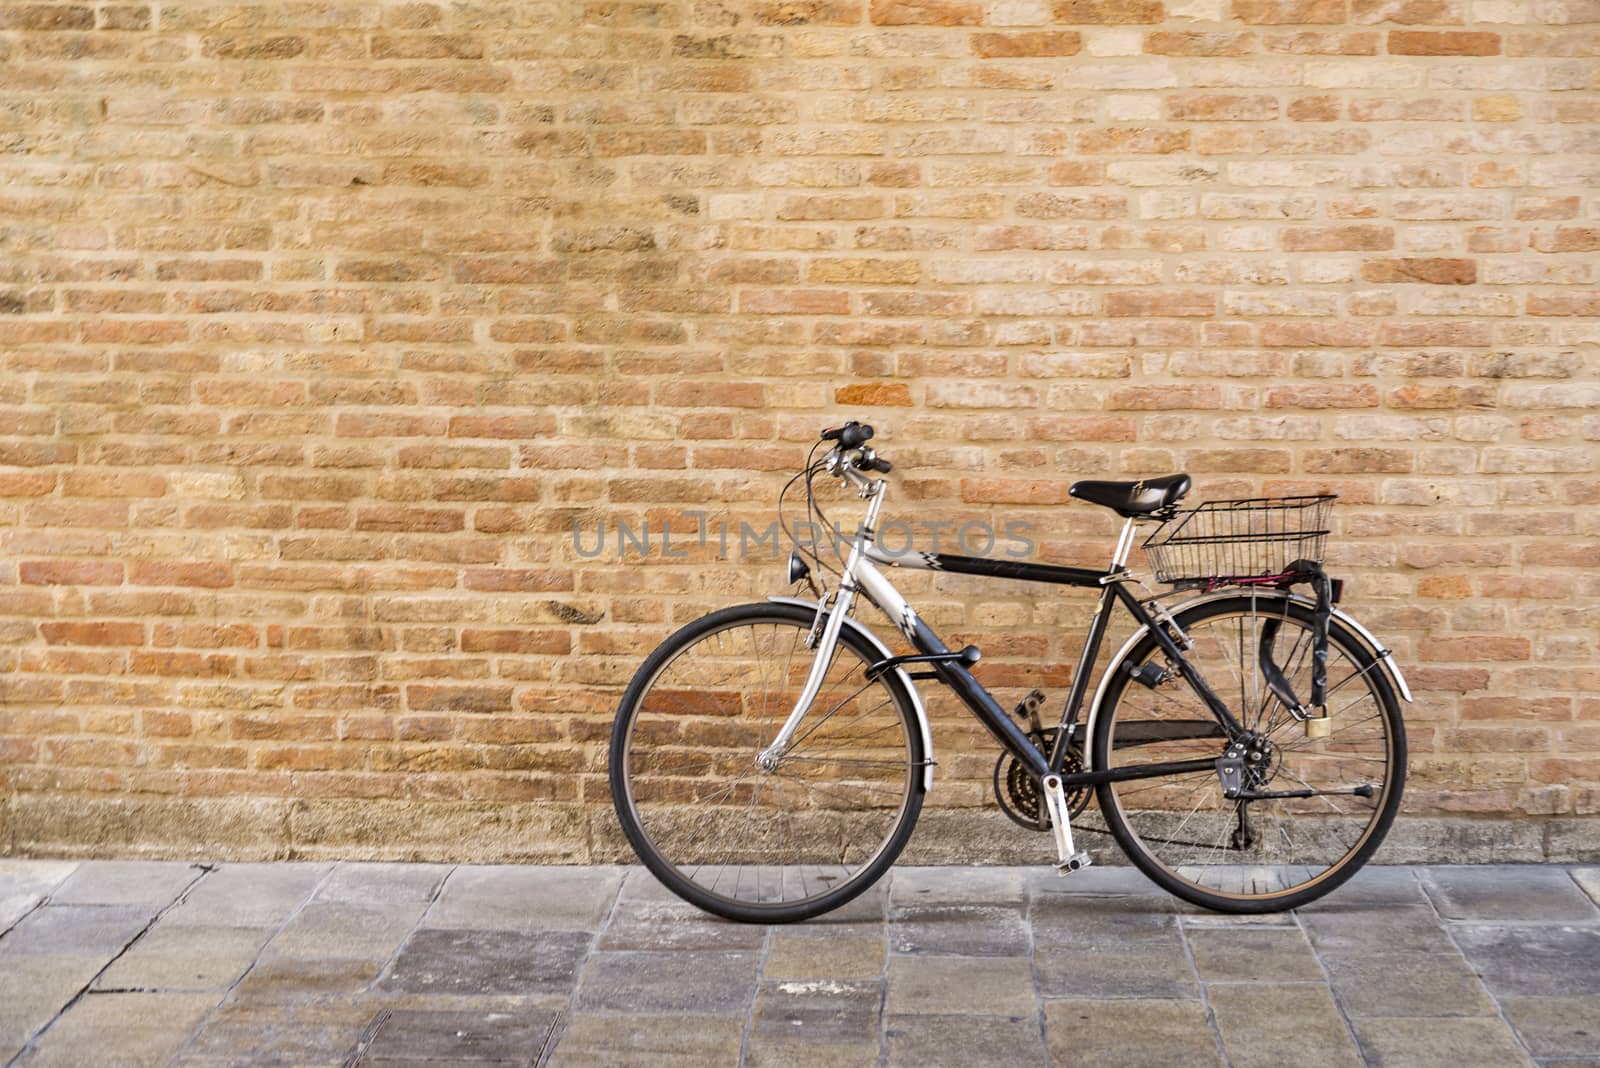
(1232, 541)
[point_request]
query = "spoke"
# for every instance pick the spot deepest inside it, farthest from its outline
(829, 714)
(809, 826)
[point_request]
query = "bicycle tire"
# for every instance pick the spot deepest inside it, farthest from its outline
(1145, 834)
(632, 750)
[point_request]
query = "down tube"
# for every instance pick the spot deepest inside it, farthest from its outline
(954, 675)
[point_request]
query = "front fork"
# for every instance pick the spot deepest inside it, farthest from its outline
(835, 610)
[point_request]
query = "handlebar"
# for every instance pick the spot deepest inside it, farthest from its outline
(852, 436)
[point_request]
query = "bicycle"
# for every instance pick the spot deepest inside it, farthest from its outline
(769, 761)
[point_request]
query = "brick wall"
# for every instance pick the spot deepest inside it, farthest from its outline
(321, 323)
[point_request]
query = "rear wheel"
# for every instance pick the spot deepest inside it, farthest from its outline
(1256, 855)
(765, 845)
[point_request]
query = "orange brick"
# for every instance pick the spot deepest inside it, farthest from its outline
(70, 572)
(1337, 238)
(1025, 44)
(1437, 271)
(1443, 43)
(1106, 12)
(1288, 12)
(102, 633)
(925, 13)
(874, 394)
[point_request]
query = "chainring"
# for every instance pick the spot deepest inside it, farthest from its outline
(1019, 794)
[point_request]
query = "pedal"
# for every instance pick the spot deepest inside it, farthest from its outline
(1068, 859)
(1027, 711)
(1076, 862)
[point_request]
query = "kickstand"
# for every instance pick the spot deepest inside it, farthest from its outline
(1244, 834)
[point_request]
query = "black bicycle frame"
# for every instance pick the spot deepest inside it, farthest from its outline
(950, 669)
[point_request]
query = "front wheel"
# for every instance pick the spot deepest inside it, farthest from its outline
(765, 844)
(1263, 855)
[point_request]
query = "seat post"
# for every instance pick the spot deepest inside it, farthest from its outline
(1119, 559)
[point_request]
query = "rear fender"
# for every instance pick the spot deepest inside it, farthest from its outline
(1384, 658)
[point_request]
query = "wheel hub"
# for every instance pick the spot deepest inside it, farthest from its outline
(1260, 760)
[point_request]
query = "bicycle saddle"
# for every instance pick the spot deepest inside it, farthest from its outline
(1133, 499)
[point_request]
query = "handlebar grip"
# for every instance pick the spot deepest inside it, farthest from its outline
(881, 465)
(853, 434)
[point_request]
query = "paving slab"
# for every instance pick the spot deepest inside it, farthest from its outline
(134, 1030)
(695, 983)
(139, 883)
(323, 1033)
(1378, 929)
(664, 925)
(247, 895)
(363, 883)
(185, 958)
(1406, 983)
(1533, 961)
(33, 989)
(1098, 881)
(335, 929)
(1158, 970)
(1253, 955)
(422, 1038)
(1138, 1033)
(1267, 1025)
(24, 884)
(1071, 919)
(1508, 893)
(519, 898)
(1588, 880)
(804, 952)
(277, 980)
(1557, 1027)
(1439, 1043)
(815, 1021)
(957, 929)
(947, 886)
(488, 962)
(76, 931)
(989, 986)
(1374, 885)
(964, 1041)
(663, 1041)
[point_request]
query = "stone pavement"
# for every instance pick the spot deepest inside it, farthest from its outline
(134, 963)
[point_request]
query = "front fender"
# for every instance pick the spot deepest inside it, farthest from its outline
(1382, 655)
(916, 698)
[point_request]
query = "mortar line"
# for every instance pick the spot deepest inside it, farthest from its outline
(1327, 979)
(559, 1031)
(44, 899)
(750, 1015)
(1572, 873)
(883, 976)
(416, 925)
(205, 869)
(1494, 999)
(1029, 890)
(227, 994)
(1205, 996)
